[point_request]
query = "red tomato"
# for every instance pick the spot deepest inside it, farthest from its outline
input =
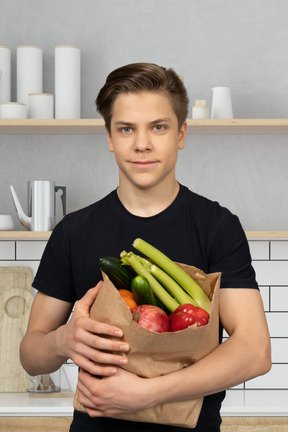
(201, 317)
(180, 321)
(186, 315)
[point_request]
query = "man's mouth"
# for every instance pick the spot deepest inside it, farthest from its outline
(144, 164)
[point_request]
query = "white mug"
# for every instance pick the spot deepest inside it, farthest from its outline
(221, 103)
(13, 110)
(40, 106)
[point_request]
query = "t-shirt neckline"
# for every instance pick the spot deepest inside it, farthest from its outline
(121, 208)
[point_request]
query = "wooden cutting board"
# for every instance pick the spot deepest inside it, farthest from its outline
(15, 303)
(16, 277)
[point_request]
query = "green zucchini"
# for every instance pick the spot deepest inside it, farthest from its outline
(142, 292)
(121, 276)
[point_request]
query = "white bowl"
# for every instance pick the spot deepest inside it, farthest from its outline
(6, 223)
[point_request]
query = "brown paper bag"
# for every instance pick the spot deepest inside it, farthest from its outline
(154, 354)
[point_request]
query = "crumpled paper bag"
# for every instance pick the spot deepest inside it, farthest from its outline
(154, 354)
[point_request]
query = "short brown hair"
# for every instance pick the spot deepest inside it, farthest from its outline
(138, 77)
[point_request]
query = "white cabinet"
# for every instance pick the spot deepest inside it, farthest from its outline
(7, 250)
(24, 253)
(30, 250)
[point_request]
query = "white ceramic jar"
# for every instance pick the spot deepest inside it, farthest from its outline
(200, 110)
(6, 223)
(40, 106)
(13, 110)
(67, 82)
(5, 74)
(29, 71)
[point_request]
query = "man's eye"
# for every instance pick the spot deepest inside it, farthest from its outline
(126, 130)
(159, 128)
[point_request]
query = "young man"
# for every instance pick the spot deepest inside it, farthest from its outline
(145, 108)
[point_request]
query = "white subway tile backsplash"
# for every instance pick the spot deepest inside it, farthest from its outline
(277, 378)
(270, 261)
(279, 349)
(30, 250)
(277, 323)
(7, 250)
(279, 250)
(279, 298)
(259, 249)
(32, 264)
(271, 272)
(264, 291)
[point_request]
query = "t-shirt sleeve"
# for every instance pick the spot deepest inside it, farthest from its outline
(54, 275)
(230, 255)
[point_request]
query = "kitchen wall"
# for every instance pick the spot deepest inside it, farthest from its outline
(241, 44)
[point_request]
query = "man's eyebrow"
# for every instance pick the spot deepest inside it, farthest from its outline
(160, 120)
(123, 123)
(154, 122)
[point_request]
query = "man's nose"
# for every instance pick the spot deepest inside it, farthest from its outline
(142, 141)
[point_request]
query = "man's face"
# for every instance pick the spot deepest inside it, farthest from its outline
(145, 139)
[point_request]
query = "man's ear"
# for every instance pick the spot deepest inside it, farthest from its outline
(182, 136)
(110, 144)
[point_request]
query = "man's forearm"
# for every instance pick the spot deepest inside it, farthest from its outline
(41, 352)
(231, 363)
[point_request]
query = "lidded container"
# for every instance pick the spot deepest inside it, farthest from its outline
(5, 74)
(200, 110)
(29, 71)
(67, 82)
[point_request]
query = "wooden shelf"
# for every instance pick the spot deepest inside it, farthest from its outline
(25, 235)
(238, 127)
(267, 235)
(44, 235)
(52, 127)
(96, 127)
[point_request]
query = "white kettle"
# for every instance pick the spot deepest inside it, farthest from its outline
(41, 205)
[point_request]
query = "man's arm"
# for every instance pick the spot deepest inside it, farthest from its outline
(246, 354)
(50, 340)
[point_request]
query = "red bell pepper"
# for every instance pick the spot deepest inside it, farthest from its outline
(186, 315)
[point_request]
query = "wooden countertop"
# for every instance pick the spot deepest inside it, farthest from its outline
(44, 235)
(237, 403)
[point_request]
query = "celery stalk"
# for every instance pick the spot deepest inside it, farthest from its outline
(170, 285)
(178, 274)
(169, 302)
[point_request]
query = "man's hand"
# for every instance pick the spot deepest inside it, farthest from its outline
(122, 393)
(50, 339)
(86, 342)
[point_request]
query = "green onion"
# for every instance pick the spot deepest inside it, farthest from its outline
(177, 273)
(168, 301)
(174, 289)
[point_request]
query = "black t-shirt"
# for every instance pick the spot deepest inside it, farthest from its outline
(192, 230)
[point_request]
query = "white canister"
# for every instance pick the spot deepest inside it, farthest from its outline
(67, 82)
(29, 71)
(5, 74)
(200, 110)
(40, 106)
(221, 103)
(13, 110)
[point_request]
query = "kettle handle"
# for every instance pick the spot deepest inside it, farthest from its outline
(63, 197)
